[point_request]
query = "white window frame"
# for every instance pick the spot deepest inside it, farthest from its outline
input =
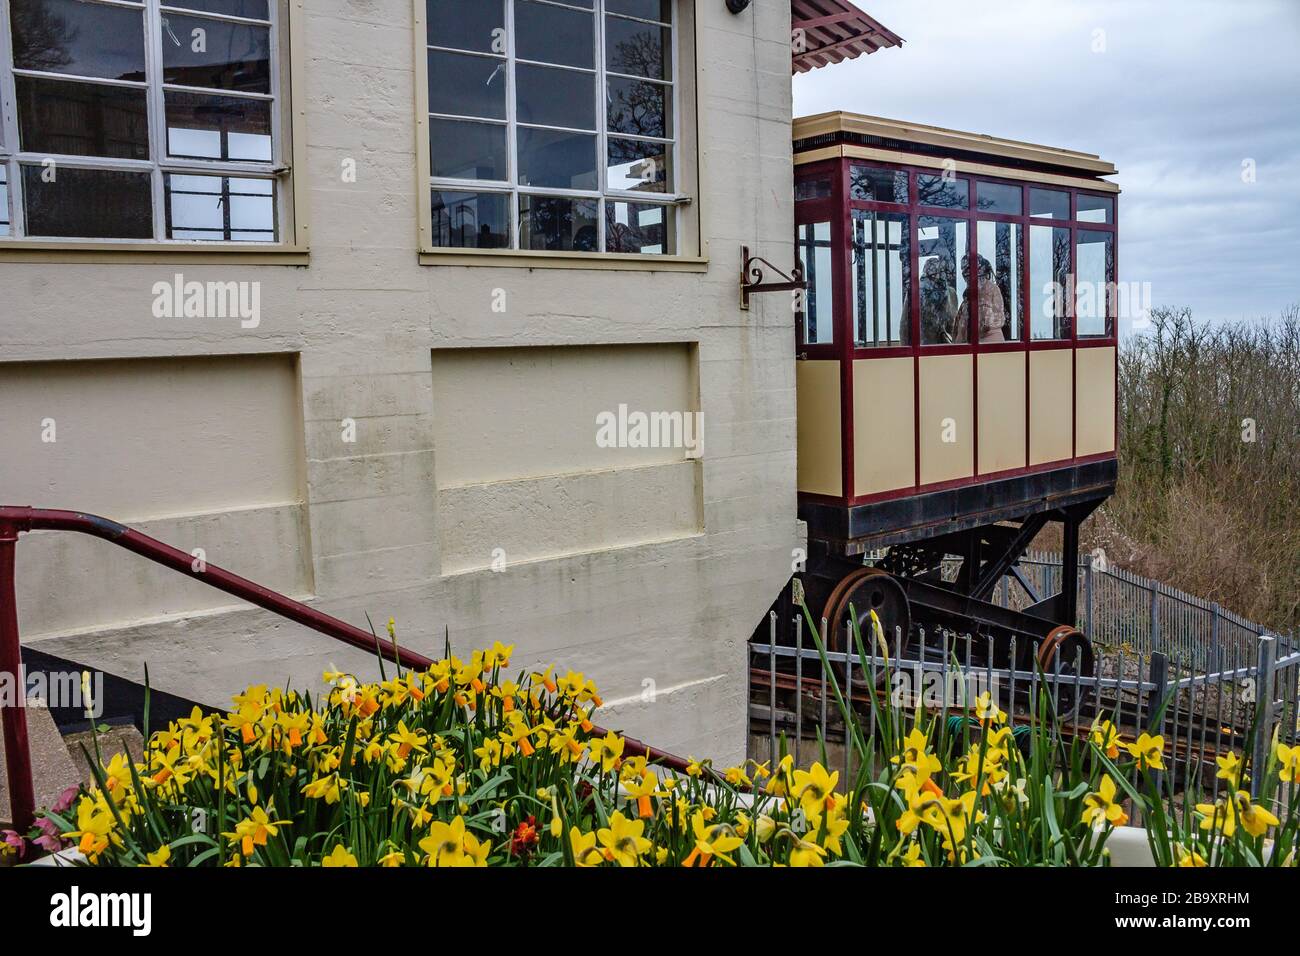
(277, 170)
(677, 203)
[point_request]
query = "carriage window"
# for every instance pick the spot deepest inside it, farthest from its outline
(1096, 209)
(1049, 203)
(816, 187)
(1049, 272)
(1094, 272)
(947, 191)
(819, 301)
(869, 184)
(999, 198)
(942, 257)
(881, 279)
(1001, 266)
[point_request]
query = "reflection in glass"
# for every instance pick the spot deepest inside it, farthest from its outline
(1049, 277)
(220, 208)
(869, 184)
(464, 150)
(556, 159)
(471, 220)
(1001, 256)
(1094, 273)
(1049, 203)
(942, 257)
(218, 127)
(638, 49)
(661, 10)
(557, 223)
(82, 119)
(998, 197)
(946, 191)
(639, 107)
(458, 25)
(554, 34)
(549, 96)
(881, 279)
(1096, 209)
(814, 240)
(217, 54)
(88, 204)
(637, 165)
(639, 228)
(85, 39)
(465, 85)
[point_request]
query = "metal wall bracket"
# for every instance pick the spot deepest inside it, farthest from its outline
(751, 277)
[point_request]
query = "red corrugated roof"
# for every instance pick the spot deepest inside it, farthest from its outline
(833, 31)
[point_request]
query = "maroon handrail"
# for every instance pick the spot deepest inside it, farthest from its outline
(19, 520)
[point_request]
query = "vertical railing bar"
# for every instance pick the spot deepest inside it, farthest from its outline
(798, 690)
(771, 694)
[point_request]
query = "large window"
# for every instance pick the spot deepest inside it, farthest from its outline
(1094, 276)
(1049, 282)
(142, 120)
(553, 125)
(945, 274)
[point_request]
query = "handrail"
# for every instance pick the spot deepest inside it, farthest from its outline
(20, 520)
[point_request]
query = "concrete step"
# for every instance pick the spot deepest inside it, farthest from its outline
(115, 740)
(52, 764)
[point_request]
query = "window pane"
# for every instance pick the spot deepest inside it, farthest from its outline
(1096, 209)
(4, 200)
(638, 165)
(548, 96)
(220, 208)
(216, 54)
(471, 220)
(558, 223)
(252, 9)
(814, 239)
(1049, 203)
(463, 150)
(881, 280)
(82, 119)
(816, 188)
(1001, 266)
(1094, 272)
(88, 39)
(998, 197)
(945, 267)
(478, 26)
(869, 184)
(558, 160)
(661, 10)
(464, 85)
(555, 35)
(638, 227)
(639, 107)
(88, 203)
(951, 193)
(639, 49)
(218, 127)
(1049, 272)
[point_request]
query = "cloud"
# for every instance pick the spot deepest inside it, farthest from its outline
(1176, 95)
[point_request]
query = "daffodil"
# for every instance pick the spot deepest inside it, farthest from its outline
(450, 844)
(584, 848)
(1288, 759)
(1105, 738)
(1229, 767)
(1149, 752)
(339, 857)
(1101, 810)
(606, 751)
(711, 841)
(622, 840)
(813, 788)
(159, 858)
(253, 831)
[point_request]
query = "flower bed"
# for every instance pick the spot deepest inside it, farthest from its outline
(464, 765)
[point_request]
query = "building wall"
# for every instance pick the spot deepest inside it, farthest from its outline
(472, 426)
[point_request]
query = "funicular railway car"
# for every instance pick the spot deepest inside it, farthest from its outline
(956, 377)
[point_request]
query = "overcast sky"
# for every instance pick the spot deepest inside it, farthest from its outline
(1180, 94)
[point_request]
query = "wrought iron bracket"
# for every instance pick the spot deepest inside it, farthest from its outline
(751, 277)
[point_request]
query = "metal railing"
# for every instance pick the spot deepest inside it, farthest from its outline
(1201, 713)
(20, 520)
